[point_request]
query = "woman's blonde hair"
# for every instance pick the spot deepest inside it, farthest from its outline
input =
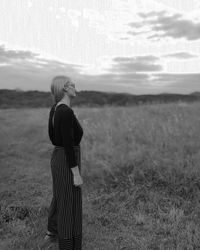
(58, 84)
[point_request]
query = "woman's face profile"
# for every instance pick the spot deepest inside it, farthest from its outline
(71, 89)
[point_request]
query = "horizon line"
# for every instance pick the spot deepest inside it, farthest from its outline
(108, 92)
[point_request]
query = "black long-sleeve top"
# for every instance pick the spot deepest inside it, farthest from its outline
(66, 131)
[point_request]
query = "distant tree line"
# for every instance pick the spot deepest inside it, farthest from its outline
(17, 98)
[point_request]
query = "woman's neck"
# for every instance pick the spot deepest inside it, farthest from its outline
(64, 100)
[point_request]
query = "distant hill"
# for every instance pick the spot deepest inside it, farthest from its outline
(17, 98)
(195, 93)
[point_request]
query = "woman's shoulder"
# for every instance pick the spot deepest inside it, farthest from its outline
(65, 110)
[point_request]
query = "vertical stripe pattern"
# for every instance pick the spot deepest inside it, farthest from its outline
(65, 211)
(65, 244)
(71, 244)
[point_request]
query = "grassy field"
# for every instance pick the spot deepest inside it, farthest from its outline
(141, 174)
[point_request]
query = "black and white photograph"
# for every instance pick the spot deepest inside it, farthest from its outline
(99, 124)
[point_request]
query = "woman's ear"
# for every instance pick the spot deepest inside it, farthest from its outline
(65, 89)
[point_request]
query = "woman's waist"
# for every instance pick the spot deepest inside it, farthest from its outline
(62, 147)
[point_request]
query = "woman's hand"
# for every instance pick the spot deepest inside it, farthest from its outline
(78, 180)
(76, 176)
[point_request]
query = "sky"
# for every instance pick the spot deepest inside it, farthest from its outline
(127, 46)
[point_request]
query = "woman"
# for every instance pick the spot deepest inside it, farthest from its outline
(65, 133)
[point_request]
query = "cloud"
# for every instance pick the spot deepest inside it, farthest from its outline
(137, 83)
(152, 14)
(27, 70)
(149, 59)
(9, 55)
(162, 25)
(136, 75)
(135, 64)
(142, 75)
(181, 55)
(132, 83)
(179, 83)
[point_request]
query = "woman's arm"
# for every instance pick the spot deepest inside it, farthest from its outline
(50, 127)
(68, 137)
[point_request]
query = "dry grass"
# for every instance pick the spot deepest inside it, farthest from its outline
(140, 167)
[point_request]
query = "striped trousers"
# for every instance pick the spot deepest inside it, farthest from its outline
(65, 211)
